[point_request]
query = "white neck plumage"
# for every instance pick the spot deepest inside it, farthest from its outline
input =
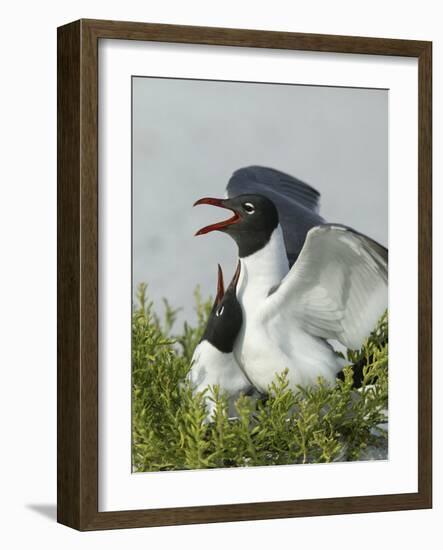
(264, 269)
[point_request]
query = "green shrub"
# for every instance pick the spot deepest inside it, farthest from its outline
(319, 424)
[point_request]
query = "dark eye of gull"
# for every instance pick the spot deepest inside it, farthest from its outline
(249, 207)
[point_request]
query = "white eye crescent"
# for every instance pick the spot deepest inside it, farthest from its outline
(220, 311)
(249, 207)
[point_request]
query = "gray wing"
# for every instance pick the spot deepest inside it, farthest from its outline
(338, 288)
(297, 202)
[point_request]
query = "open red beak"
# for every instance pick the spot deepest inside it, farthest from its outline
(235, 278)
(220, 286)
(221, 203)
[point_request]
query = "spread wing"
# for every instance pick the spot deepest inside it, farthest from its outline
(337, 289)
(297, 202)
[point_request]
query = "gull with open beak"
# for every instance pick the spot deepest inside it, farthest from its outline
(336, 289)
(213, 361)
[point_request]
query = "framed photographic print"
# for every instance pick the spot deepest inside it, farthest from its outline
(244, 274)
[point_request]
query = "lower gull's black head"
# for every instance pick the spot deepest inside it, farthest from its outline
(254, 220)
(226, 317)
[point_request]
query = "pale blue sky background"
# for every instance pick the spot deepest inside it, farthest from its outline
(188, 138)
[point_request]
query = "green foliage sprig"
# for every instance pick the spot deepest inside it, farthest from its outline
(317, 424)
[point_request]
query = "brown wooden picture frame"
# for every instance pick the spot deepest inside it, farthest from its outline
(77, 455)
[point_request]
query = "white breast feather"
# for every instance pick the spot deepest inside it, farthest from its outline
(212, 367)
(337, 289)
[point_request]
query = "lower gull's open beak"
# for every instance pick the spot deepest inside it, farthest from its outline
(235, 278)
(220, 287)
(219, 226)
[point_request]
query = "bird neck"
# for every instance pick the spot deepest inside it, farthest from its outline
(264, 269)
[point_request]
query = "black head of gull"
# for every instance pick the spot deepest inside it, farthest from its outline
(225, 319)
(213, 361)
(255, 219)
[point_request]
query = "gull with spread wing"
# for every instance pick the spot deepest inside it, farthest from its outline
(336, 288)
